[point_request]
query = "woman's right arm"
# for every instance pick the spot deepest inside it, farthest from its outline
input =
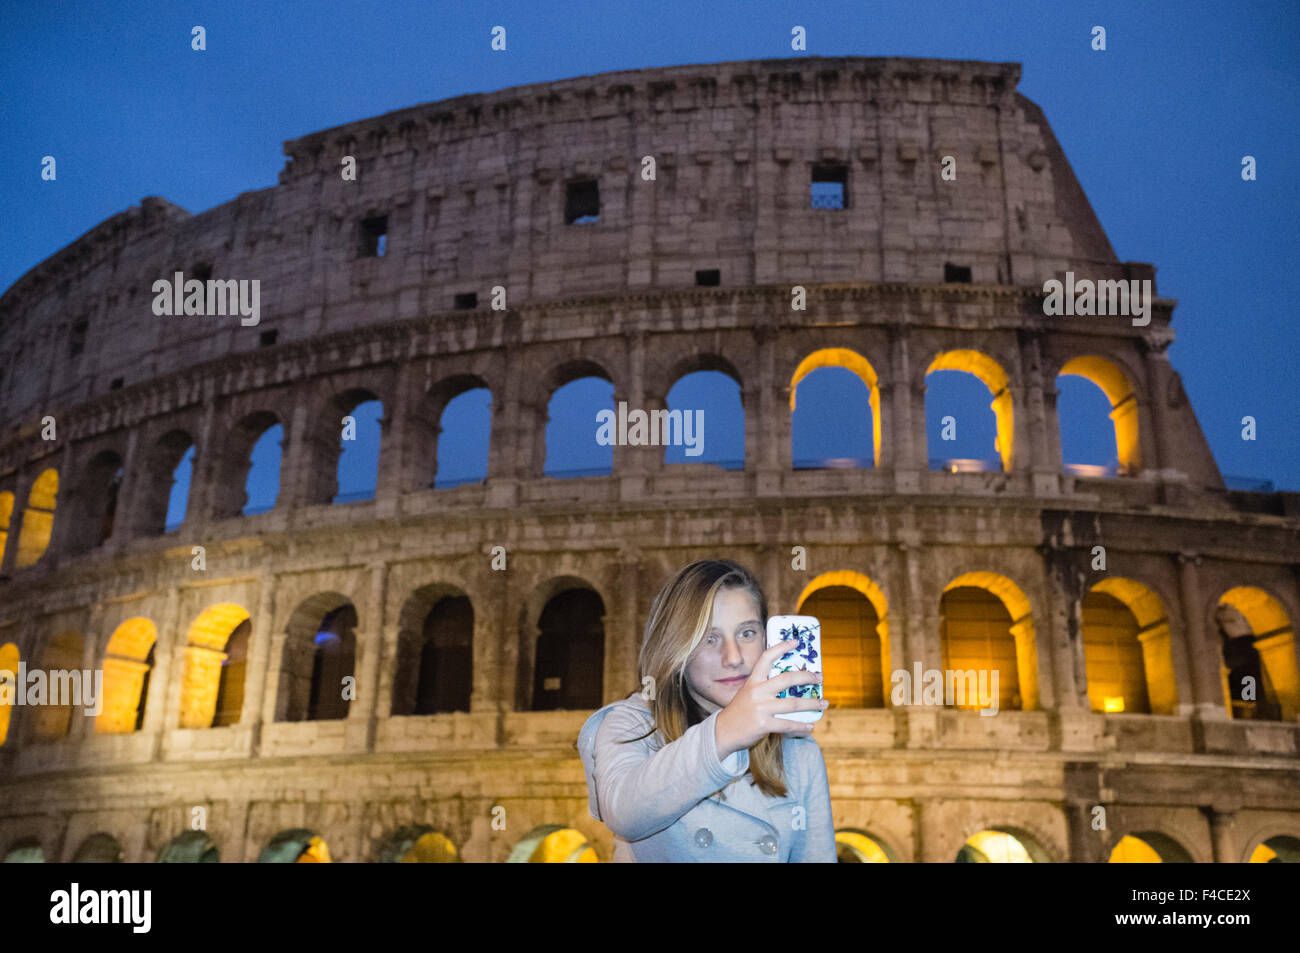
(640, 791)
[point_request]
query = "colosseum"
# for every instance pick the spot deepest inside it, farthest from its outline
(767, 221)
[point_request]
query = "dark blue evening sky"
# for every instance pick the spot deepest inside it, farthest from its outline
(1155, 129)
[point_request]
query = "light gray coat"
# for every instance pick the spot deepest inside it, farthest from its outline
(660, 800)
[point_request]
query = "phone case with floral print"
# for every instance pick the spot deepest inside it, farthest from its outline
(806, 656)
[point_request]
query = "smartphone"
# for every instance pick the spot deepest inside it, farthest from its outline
(805, 657)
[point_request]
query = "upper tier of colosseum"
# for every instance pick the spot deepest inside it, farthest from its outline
(472, 195)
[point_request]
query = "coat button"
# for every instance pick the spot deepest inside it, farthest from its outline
(704, 837)
(768, 844)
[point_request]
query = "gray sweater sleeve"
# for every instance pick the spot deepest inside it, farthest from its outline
(815, 844)
(640, 790)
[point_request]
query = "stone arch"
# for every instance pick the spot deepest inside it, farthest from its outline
(1127, 627)
(857, 846)
(190, 847)
(296, 846)
(128, 662)
(1148, 847)
(842, 643)
(1264, 644)
(992, 375)
(1278, 849)
(416, 844)
(237, 470)
(428, 420)
(1002, 844)
(38, 519)
(556, 379)
(435, 652)
(849, 360)
(330, 453)
(312, 667)
(9, 659)
(95, 502)
(1115, 383)
(63, 652)
(670, 428)
(973, 620)
(212, 687)
(563, 646)
(99, 849)
(162, 465)
(27, 850)
(553, 844)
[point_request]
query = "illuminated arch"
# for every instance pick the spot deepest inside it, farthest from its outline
(297, 846)
(1282, 849)
(1114, 383)
(6, 516)
(851, 361)
(211, 671)
(855, 847)
(991, 375)
(1127, 652)
(417, 844)
(871, 591)
(1274, 641)
(9, 659)
(553, 844)
(1020, 627)
(1002, 845)
(127, 663)
(38, 519)
(1148, 847)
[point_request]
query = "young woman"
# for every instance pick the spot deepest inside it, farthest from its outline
(696, 766)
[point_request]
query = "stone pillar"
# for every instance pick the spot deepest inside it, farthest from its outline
(1223, 841)
(1157, 454)
(160, 679)
(64, 512)
(207, 459)
(509, 444)
(259, 702)
(909, 453)
(1084, 843)
(93, 646)
(395, 442)
(132, 491)
(363, 710)
(1204, 656)
(620, 664)
(768, 454)
(1044, 460)
(294, 476)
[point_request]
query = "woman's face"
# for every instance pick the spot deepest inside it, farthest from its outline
(726, 657)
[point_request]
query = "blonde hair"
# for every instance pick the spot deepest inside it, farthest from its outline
(680, 619)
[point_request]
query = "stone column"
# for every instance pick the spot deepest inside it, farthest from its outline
(259, 701)
(620, 664)
(395, 441)
(1157, 454)
(207, 458)
(63, 512)
(131, 491)
(161, 685)
(1044, 457)
(768, 454)
(908, 430)
(93, 647)
(509, 445)
(1203, 655)
(1223, 841)
(1084, 843)
(362, 712)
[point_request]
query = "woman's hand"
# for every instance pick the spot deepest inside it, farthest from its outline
(752, 713)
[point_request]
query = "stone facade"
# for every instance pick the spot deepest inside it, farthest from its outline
(472, 192)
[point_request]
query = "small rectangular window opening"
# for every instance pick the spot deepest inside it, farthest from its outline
(374, 236)
(116, 384)
(201, 271)
(582, 203)
(956, 274)
(467, 301)
(268, 338)
(830, 186)
(710, 278)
